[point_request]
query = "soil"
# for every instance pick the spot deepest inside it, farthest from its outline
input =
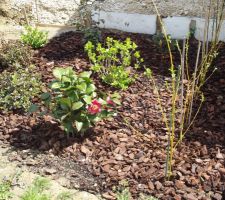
(132, 146)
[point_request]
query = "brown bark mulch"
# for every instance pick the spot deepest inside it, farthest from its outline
(133, 145)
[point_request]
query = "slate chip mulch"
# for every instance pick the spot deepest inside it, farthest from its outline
(132, 146)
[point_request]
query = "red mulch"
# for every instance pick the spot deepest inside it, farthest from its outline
(133, 149)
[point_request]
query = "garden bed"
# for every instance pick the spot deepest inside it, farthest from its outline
(132, 146)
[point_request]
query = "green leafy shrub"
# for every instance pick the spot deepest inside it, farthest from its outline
(160, 40)
(92, 34)
(34, 37)
(113, 61)
(15, 53)
(74, 100)
(18, 88)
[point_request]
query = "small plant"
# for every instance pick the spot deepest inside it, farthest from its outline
(113, 62)
(13, 53)
(74, 101)
(18, 88)
(144, 197)
(37, 190)
(186, 84)
(5, 188)
(161, 41)
(92, 34)
(34, 37)
(65, 196)
(123, 192)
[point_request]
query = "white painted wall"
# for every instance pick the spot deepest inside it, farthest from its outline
(177, 27)
(200, 24)
(134, 23)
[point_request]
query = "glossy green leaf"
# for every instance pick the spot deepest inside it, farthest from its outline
(85, 74)
(87, 99)
(33, 108)
(77, 105)
(65, 103)
(58, 73)
(56, 85)
(45, 96)
(91, 88)
(79, 125)
(82, 87)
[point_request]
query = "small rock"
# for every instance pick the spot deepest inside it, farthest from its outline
(108, 196)
(179, 184)
(118, 157)
(49, 171)
(219, 155)
(31, 162)
(63, 181)
(217, 196)
(85, 196)
(151, 186)
(177, 197)
(191, 197)
(158, 185)
(204, 150)
(222, 171)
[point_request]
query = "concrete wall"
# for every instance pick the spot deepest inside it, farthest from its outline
(66, 11)
(136, 16)
(166, 7)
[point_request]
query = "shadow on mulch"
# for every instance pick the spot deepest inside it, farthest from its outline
(45, 136)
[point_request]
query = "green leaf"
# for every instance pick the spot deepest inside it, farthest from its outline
(87, 99)
(68, 127)
(33, 108)
(64, 74)
(56, 85)
(45, 96)
(77, 105)
(65, 103)
(79, 126)
(91, 88)
(82, 87)
(58, 73)
(65, 116)
(85, 74)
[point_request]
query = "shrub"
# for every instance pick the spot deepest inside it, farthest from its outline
(92, 34)
(15, 53)
(18, 88)
(161, 41)
(34, 37)
(74, 101)
(113, 61)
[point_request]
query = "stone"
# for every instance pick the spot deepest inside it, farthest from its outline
(49, 171)
(190, 197)
(85, 196)
(179, 184)
(158, 185)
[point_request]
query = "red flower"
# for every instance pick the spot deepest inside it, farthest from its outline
(110, 101)
(94, 108)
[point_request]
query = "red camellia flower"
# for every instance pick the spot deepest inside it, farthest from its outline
(95, 107)
(110, 101)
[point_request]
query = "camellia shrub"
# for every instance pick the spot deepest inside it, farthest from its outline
(18, 88)
(34, 37)
(74, 102)
(113, 61)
